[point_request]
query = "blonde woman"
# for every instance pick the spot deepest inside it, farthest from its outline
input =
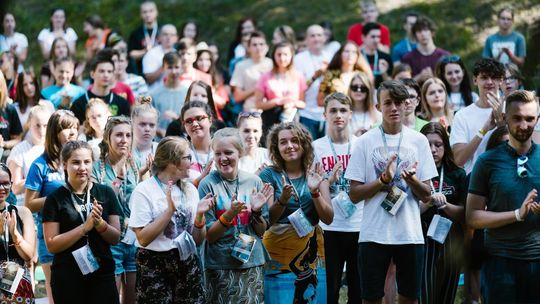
(435, 104)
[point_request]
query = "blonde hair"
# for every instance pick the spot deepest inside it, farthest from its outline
(93, 102)
(426, 110)
(231, 133)
(4, 92)
(169, 150)
(144, 105)
(34, 111)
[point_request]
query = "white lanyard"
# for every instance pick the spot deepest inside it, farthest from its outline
(150, 40)
(78, 207)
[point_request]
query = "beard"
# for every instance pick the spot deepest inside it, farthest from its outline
(521, 136)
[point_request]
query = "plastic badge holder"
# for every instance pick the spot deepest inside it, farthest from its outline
(243, 247)
(11, 274)
(393, 200)
(300, 223)
(129, 236)
(439, 228)
(85, 259)
(344, 204)
(186, 245)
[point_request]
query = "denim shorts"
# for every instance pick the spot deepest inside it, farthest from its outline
(45, 257)
(124, 258)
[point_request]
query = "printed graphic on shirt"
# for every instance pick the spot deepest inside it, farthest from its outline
(4, 123)
(497, 47)
(180, 222)
(406, 159)
(446, 188)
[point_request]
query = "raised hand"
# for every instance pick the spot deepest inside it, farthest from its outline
(408, 174)
(170, 202)
(528, 204)
(11, 219)
(207, 168)
(286, 192)
(236, 207)
(258, 199)
(336, 172)
(496, 104)
(315, 177)
(390, 168)
(206, 203)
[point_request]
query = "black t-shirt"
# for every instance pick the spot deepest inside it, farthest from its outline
(117, 105)
(59, 208)
(371, 61)
(10, 125)
(137, 41)
(12, 250)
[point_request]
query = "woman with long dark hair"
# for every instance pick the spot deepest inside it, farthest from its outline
(453, 73)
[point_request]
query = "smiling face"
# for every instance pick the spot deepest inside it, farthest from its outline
(120, 139)
(226, 157)
(5, 185)
(204, 62)
(251, 131)
(521, 118)
(337, 115)
(79, 166)
(63, 72)
(145, 127)
(197, 123)
(453, 73)
(486, 83)
(289, 146)
(61, 49)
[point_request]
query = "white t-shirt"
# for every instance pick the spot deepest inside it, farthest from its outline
(148, 201)
(17, 38)
(24, 154)
(325, 156)
(307, 63)
(465, 126)
(368, 162)
(47, 37)
(251, 165)
(246, 75)
(153, 59)
(198, 162)
(458, 102)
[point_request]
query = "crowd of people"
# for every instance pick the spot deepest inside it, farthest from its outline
(152, 171)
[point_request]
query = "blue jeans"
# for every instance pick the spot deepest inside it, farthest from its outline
(315, 127)
(506, 280)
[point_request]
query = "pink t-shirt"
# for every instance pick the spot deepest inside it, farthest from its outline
(292, 86)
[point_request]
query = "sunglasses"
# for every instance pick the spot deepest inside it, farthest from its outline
(521, 170)
(359, 88)
(197, 118)
(451, 59)
(119, 118)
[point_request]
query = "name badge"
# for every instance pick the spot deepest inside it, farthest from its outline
(439, 228)
(185, 245)
(243, 247)
(85, 259)
(393, 200)
(344, 204)
(300, 223)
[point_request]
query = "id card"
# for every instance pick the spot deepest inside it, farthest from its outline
(12, 273)
(393, 200)
(243, 247)
(128, 236)
(439, 228)
(185, 245)
(344, 204)
(300, 223)
(85, 260)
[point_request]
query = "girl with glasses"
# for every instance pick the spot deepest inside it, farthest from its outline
(165, 208)
(116, 167)
(46, 175)
(513, 79)
(443, 262)
(234, 253)
(18, 239)
(81, 222)
(145, 121)
(254, 158)
(453, 73)
(301, 198)
(364, 114)
(201, 91)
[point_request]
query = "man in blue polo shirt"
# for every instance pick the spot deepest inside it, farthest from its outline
(502, 199)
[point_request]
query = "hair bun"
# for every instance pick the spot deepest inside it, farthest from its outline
(144, 99)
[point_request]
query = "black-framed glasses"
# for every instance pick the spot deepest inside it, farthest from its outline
(249, 114)
(5, 186)
(450, 59)
(510, 78)
(359, 88)
(521, 170)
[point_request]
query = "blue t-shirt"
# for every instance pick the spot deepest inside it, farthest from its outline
(274, 177)
(495, 177)
(515, 42)
(41, 178)
(401, 48)
(54, 93)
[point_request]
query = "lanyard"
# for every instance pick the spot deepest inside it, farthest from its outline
(341, 180)
(77, 206)
(298, 195)
(162, 186)
(6, 233)
(88, 98)
(398, 148)
(150, 40)
(441, 180)
(201, 167)
(375, 62)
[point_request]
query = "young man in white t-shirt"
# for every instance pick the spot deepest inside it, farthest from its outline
(472, 124)
(391, 162)
(341, 237)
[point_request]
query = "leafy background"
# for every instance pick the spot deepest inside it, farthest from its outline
(463, 25)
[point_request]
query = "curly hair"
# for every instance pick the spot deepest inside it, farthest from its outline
(490, 67)
(304, 140)
(105, 146)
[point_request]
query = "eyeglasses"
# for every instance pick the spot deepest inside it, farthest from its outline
(413, 97)
(197, 118)
(5, 186)
(249, 114)
(521, 170)
(511, 78)
(359, 88)
(450, 59)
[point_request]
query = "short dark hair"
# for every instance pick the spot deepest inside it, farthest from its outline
(490, 67)
(108, 53)
(506, 9)
(99, 60)
(184, 44)
(370, 26)
(523, 96)
(171, 58)
(423, 23)
(256, 34)
(397, 90)
(411, 83)
(410, 14)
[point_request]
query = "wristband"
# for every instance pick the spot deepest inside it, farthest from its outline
(225, 222)
(518, 217)
(481, 133)
(317, 194)
(200, 224)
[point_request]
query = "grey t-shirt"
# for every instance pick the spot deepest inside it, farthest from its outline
(165, 99)
(218, 254)
(495, 177)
